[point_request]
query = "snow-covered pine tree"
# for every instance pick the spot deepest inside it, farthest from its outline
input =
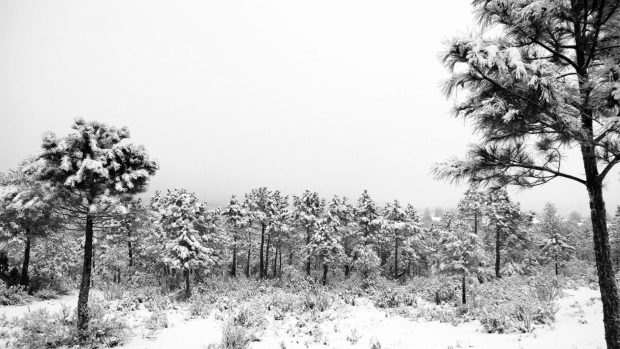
(184, 220)
(555, 245)
(550, 80)
(461, 252)
(237, 218)
(505, 220)
(415, 245)
(343, 212)
(368, 219)
(91, 168)
(325, 245)
(27, 210)
(307, 212)
(265, 207)
(397, 225)
(473, 205)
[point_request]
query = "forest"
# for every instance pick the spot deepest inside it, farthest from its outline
(91, 257)
(486, 260)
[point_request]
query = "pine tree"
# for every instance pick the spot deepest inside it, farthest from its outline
(27, 210)
(550, 81)
(184, 220)
(342, 212)
(368, 219)
(555, 244)
(461, 252)
(324, 244)
(307, 213)
(91, 168)
(237, 219)
(505, 219)
(473, 205)
(265, 208)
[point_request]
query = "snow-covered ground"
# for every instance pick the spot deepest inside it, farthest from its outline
(578, 325)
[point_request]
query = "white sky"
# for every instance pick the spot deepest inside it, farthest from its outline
(329, 95)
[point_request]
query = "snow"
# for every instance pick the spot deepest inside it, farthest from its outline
(579, 324)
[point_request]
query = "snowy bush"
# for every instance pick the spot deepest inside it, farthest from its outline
(235, 337)
(42, 329)
(13, 295)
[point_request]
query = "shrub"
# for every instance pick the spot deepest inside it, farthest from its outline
(157, 321)
(13, 295)
(41, 329)
(235, 337)
(393, 298)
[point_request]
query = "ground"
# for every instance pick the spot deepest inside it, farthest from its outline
(578, 325)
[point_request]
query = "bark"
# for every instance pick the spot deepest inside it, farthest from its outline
(247, 264)
(260, 257)
(265, 273)
(233, 269)
(464, 289)
(497, 253)
(602, 252)
(475, 223)
(280, 269)
(275, 260)
(556, 266)
(82, 307)
(347, 270)
(325, 270)
(130, 249)
(25, 279)
(188, 290)
(396, 258)
(307, 244)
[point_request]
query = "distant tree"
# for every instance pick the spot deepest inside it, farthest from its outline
(400, 223)
(265, 207)
(462, 253)
(183, 219)
(473, 205)
(325, 245)
(27, 210)
(505, 219)
(343, 215)
(548, 81)
(555, 244)
(237, 219)
(307, 212)
(368, 219)
(91, 168)
(614, 230)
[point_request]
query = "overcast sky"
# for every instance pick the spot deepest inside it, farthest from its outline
(335, 96)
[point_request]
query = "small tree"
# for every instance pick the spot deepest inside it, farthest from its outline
(26, 209)
(237, 219)
(325, 245)
(461, 253)
(307, 212)
(554, 245)
(91, 168)
(473, 205)
(183, 219)
(343, 214)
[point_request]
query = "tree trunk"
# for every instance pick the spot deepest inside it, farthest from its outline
(396, 258)
(464, 289)
(307, 244)
(266, 274)
(260, 257)
(188, 290)
(130, 249)
(476, 223)
(347, 270)
(280, 269)
(247, 264)
(556, 266)
(325, 269)
(24, 279)
(497, 253)
(275, 260)
(233, 268)
(82, 307)
(602, 252)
